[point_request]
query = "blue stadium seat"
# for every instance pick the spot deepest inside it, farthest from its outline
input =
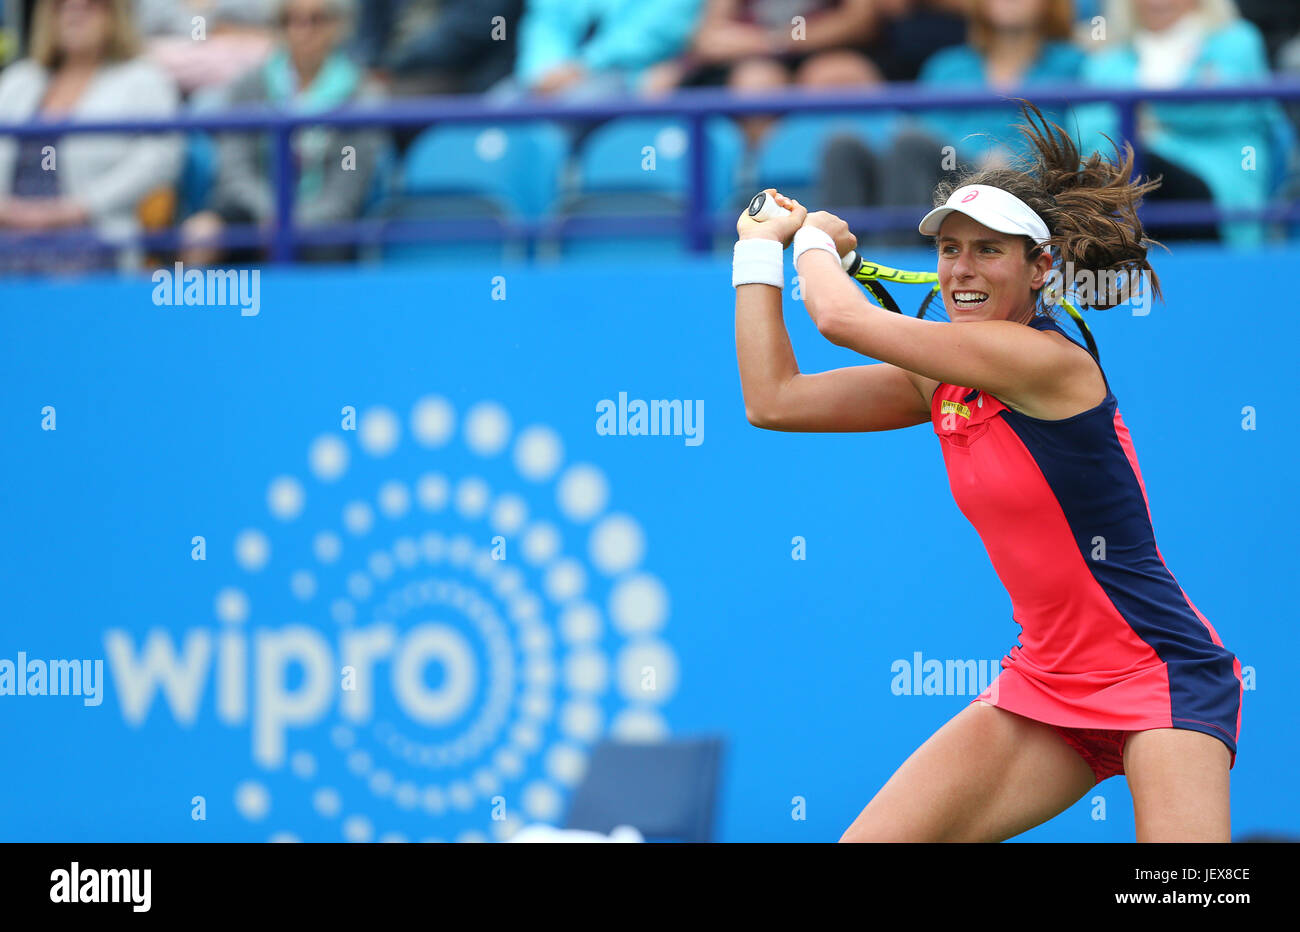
(490, 174)
(519, 165)
(617, 157)
(572, 243)
(640, 165)
(789, 156)
(495, 246)
(666, 790)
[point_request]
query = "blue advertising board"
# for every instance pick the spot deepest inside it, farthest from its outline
(380, 554)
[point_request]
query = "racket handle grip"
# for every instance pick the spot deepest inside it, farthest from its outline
(762, 207)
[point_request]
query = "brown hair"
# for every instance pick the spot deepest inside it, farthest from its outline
(123, 42)
(1057, 23)
(1089, 206)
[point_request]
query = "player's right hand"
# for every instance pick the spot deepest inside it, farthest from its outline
(782, 229)
(839, 231)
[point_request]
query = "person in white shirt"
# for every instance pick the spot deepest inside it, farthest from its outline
(82, 66)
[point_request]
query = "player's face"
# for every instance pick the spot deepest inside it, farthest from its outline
(984, 274)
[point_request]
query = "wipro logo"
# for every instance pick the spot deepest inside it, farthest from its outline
(426, 635)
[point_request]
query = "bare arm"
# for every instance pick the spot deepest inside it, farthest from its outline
(723, 39)
(779, 397)
(1006, 359)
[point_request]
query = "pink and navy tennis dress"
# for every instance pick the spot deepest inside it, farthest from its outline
(1109, 642)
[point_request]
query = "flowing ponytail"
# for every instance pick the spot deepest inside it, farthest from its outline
(1090, 208)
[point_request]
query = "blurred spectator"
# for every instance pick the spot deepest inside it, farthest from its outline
(376, 24)
(206, 43)
(1012, 44)
(82, 66)
(1288, 57)
(1227, 150)
(1288, 66)
(307, 73)
(911, 31)
(465, 49)
(592, 48)
(754, 46)
(1278, 21)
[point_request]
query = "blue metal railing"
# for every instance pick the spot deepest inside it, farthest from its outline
(694, 106)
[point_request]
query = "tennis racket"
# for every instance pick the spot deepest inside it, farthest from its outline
(872, 275)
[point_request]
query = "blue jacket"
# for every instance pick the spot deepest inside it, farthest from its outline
(626, 35)
(962, 67)
(1216, 140)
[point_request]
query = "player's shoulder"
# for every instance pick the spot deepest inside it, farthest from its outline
(1076, 375)
(1052, 329)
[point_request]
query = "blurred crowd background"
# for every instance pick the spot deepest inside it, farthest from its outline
(111, 60)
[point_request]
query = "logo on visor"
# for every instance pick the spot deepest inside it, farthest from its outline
(970, 197)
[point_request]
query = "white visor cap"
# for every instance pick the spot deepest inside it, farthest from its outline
(995, 208)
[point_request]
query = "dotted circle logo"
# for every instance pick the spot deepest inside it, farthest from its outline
(493, 619)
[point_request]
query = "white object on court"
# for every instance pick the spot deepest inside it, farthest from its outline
(551, 834)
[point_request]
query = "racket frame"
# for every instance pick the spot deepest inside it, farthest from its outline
(872, 274)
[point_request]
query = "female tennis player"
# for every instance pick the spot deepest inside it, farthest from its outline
(1116, 671)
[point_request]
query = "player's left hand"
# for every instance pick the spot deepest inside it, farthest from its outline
(781, 229)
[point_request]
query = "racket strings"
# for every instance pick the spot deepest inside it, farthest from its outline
(933, 308)
(870, 276)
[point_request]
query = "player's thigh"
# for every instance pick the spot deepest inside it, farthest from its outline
(986, 775)
(1179, 782)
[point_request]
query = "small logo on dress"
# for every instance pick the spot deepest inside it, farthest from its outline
(950, 407)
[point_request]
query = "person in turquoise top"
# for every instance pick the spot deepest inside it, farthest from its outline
(586, 48)
(1011, 44)
(1237, 148)
(981, 134)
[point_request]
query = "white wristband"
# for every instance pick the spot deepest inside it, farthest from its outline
(813, 238)
(758, 262)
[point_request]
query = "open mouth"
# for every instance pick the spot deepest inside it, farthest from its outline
(969, 300)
